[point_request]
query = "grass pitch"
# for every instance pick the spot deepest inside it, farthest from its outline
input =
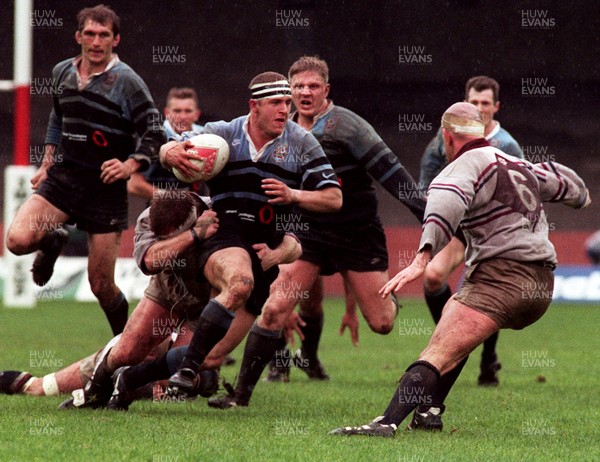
(546, 408)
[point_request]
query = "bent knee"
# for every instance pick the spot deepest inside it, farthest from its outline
(18, 243)
(434, 279)
(383, 327)
(239, 289)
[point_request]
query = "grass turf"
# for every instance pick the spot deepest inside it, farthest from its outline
(546, 407)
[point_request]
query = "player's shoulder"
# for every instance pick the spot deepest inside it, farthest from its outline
(62, 66)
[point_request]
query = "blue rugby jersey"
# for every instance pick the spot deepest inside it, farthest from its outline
(113, 116)
(295, 158)
(358, 153)
(159, 176)
(434, 158)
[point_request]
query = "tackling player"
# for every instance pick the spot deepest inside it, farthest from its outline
(497, 200)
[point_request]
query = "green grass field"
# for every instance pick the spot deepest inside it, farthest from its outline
(527, 418)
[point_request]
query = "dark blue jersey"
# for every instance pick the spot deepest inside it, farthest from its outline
(357, 154)
(112, 116)
(295, 158)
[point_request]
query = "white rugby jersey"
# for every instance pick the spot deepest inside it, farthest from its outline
(497, 201)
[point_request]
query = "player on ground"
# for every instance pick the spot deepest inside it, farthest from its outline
(273, 165)
(351, 241)
(102, 111)
(497, 201)
(481, 91)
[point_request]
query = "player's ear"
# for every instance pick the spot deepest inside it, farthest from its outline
(78, 37)
(116, 40)
(197, 115)
(253, 105)
(327, 87)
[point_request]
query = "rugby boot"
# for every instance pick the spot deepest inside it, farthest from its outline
(488, 372)
(314, 369)
(12, 382)
(371, 429)
(43, 264)
(427, 418)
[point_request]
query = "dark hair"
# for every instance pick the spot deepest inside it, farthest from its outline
(480, 83)
(169, 210)
(101, 14)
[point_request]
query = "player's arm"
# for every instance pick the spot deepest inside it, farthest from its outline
(176, 155)
(53, 137)
(433, 161)
(559, 183)
(138, 186)
(288, 251)
(383, 165)
(328, 199)
(153, 254)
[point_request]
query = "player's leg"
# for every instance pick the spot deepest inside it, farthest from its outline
(229, 272)
(265, 336)
(103, 252)
(134, 344)
(62, 381)
(460, 330)
(38, 226)
(379, 313)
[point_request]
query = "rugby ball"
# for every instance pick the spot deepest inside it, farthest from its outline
(214, 154)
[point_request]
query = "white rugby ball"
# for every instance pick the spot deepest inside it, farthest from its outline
(214, 153)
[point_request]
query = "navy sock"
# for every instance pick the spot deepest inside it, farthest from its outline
(488, 355)
(260, 348)
(312, 335)
(212, 327)
(416, 388)
(437, 300)
(117, 313)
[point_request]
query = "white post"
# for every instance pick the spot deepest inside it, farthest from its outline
(19, 289)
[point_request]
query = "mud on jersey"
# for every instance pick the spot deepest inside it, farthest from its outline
(497, 200)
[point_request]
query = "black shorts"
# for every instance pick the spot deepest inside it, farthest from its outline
(339, 247)
(93, 206)
(262, 279)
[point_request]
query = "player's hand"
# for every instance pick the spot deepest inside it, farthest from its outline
(212, 362)
(280, 192)
(293, 324)
(207, 224)
(350, 321)
(267, 256)
(114, 169)
(413, 271)
(177, 156)
(39, 177)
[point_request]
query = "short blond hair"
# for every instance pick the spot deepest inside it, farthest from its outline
(310, 63)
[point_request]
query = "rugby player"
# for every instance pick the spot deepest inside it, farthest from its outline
(350, 241)
(497, 200)
(166, 247)
(273, 165)
(182, 111)
(483, 92)
(102, 111)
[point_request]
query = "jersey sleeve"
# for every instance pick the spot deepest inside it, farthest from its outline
(560, 184)
(144, 238)
(450, 196)
(511, 147)
(54, 130)
(383, 165)
(145, 117)
(317, 172)
(433, 161)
